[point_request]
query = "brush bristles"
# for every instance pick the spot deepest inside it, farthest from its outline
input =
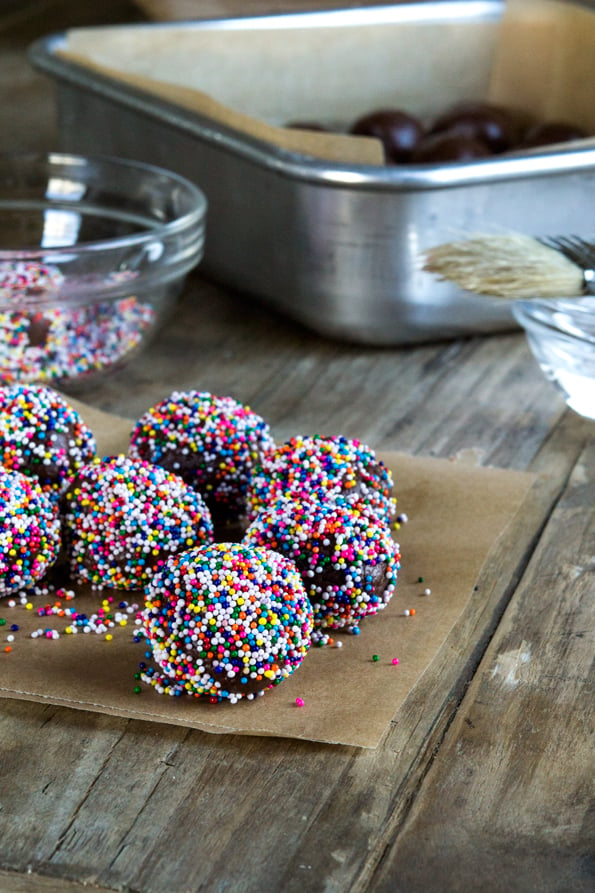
(509, 266)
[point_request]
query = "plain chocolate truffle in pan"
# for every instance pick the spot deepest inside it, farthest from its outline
(551, 132)
(398, 131)
(482, 121)
(449, 147)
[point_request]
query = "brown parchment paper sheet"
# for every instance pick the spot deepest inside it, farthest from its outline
(456, 513)
(544, 65)
(538, 60)
(256, 80)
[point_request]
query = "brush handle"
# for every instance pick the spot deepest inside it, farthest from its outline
(580, 252)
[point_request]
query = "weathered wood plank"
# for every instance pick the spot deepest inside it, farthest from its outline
(26, 95)
(508, 802)
(475, 778)
(141, 807)
(481, 394)
(10, 882)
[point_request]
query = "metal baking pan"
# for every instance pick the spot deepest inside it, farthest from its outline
(334, 246)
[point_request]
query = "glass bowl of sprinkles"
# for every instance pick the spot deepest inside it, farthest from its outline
(93, 255)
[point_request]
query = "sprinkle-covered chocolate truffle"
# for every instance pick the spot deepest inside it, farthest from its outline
(212, 442)
(42, 436)
(323, 468)
(123, 518)
(29, 532)
(347, 560)
(226, 621)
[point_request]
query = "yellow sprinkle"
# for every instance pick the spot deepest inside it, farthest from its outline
(108, 637)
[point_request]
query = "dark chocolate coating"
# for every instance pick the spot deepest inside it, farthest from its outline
(449, 146)
(550, 132)
(235, 685)
(398, 131)
(330, 576)
(224, 511)
(481, 121)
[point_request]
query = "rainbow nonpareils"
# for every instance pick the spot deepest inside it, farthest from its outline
(42, 436)
(225, 621)
(43, 339)
(29, 532)
(324, 468)
(348, 562)
(212, 442)
(123, 518)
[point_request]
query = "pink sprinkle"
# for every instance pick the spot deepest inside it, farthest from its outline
(395, 661)
(299, 702)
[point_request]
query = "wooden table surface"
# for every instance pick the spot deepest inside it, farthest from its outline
(484, 778)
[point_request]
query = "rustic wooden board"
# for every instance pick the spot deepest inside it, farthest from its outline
(12, 882)
(115, 801)
(481, 781)
(509, 799)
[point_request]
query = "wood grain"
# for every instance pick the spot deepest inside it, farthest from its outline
(484, 778)
(509, 799)
(11, 882)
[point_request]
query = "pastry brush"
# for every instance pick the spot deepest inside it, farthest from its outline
(514, 265)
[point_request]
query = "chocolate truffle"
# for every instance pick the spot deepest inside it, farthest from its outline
(29, 533)
(226, 621)
(398, 131)
(488, 123)
(42, 436)
(447, 147)
(551, 132)
(212, 442)
(347, 561)
(123, 518)
(324, 468)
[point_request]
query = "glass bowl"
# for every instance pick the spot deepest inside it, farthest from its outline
(93, 254)
(561, 335)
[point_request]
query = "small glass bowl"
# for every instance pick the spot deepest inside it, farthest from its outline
(561, 335)
(93, 254)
